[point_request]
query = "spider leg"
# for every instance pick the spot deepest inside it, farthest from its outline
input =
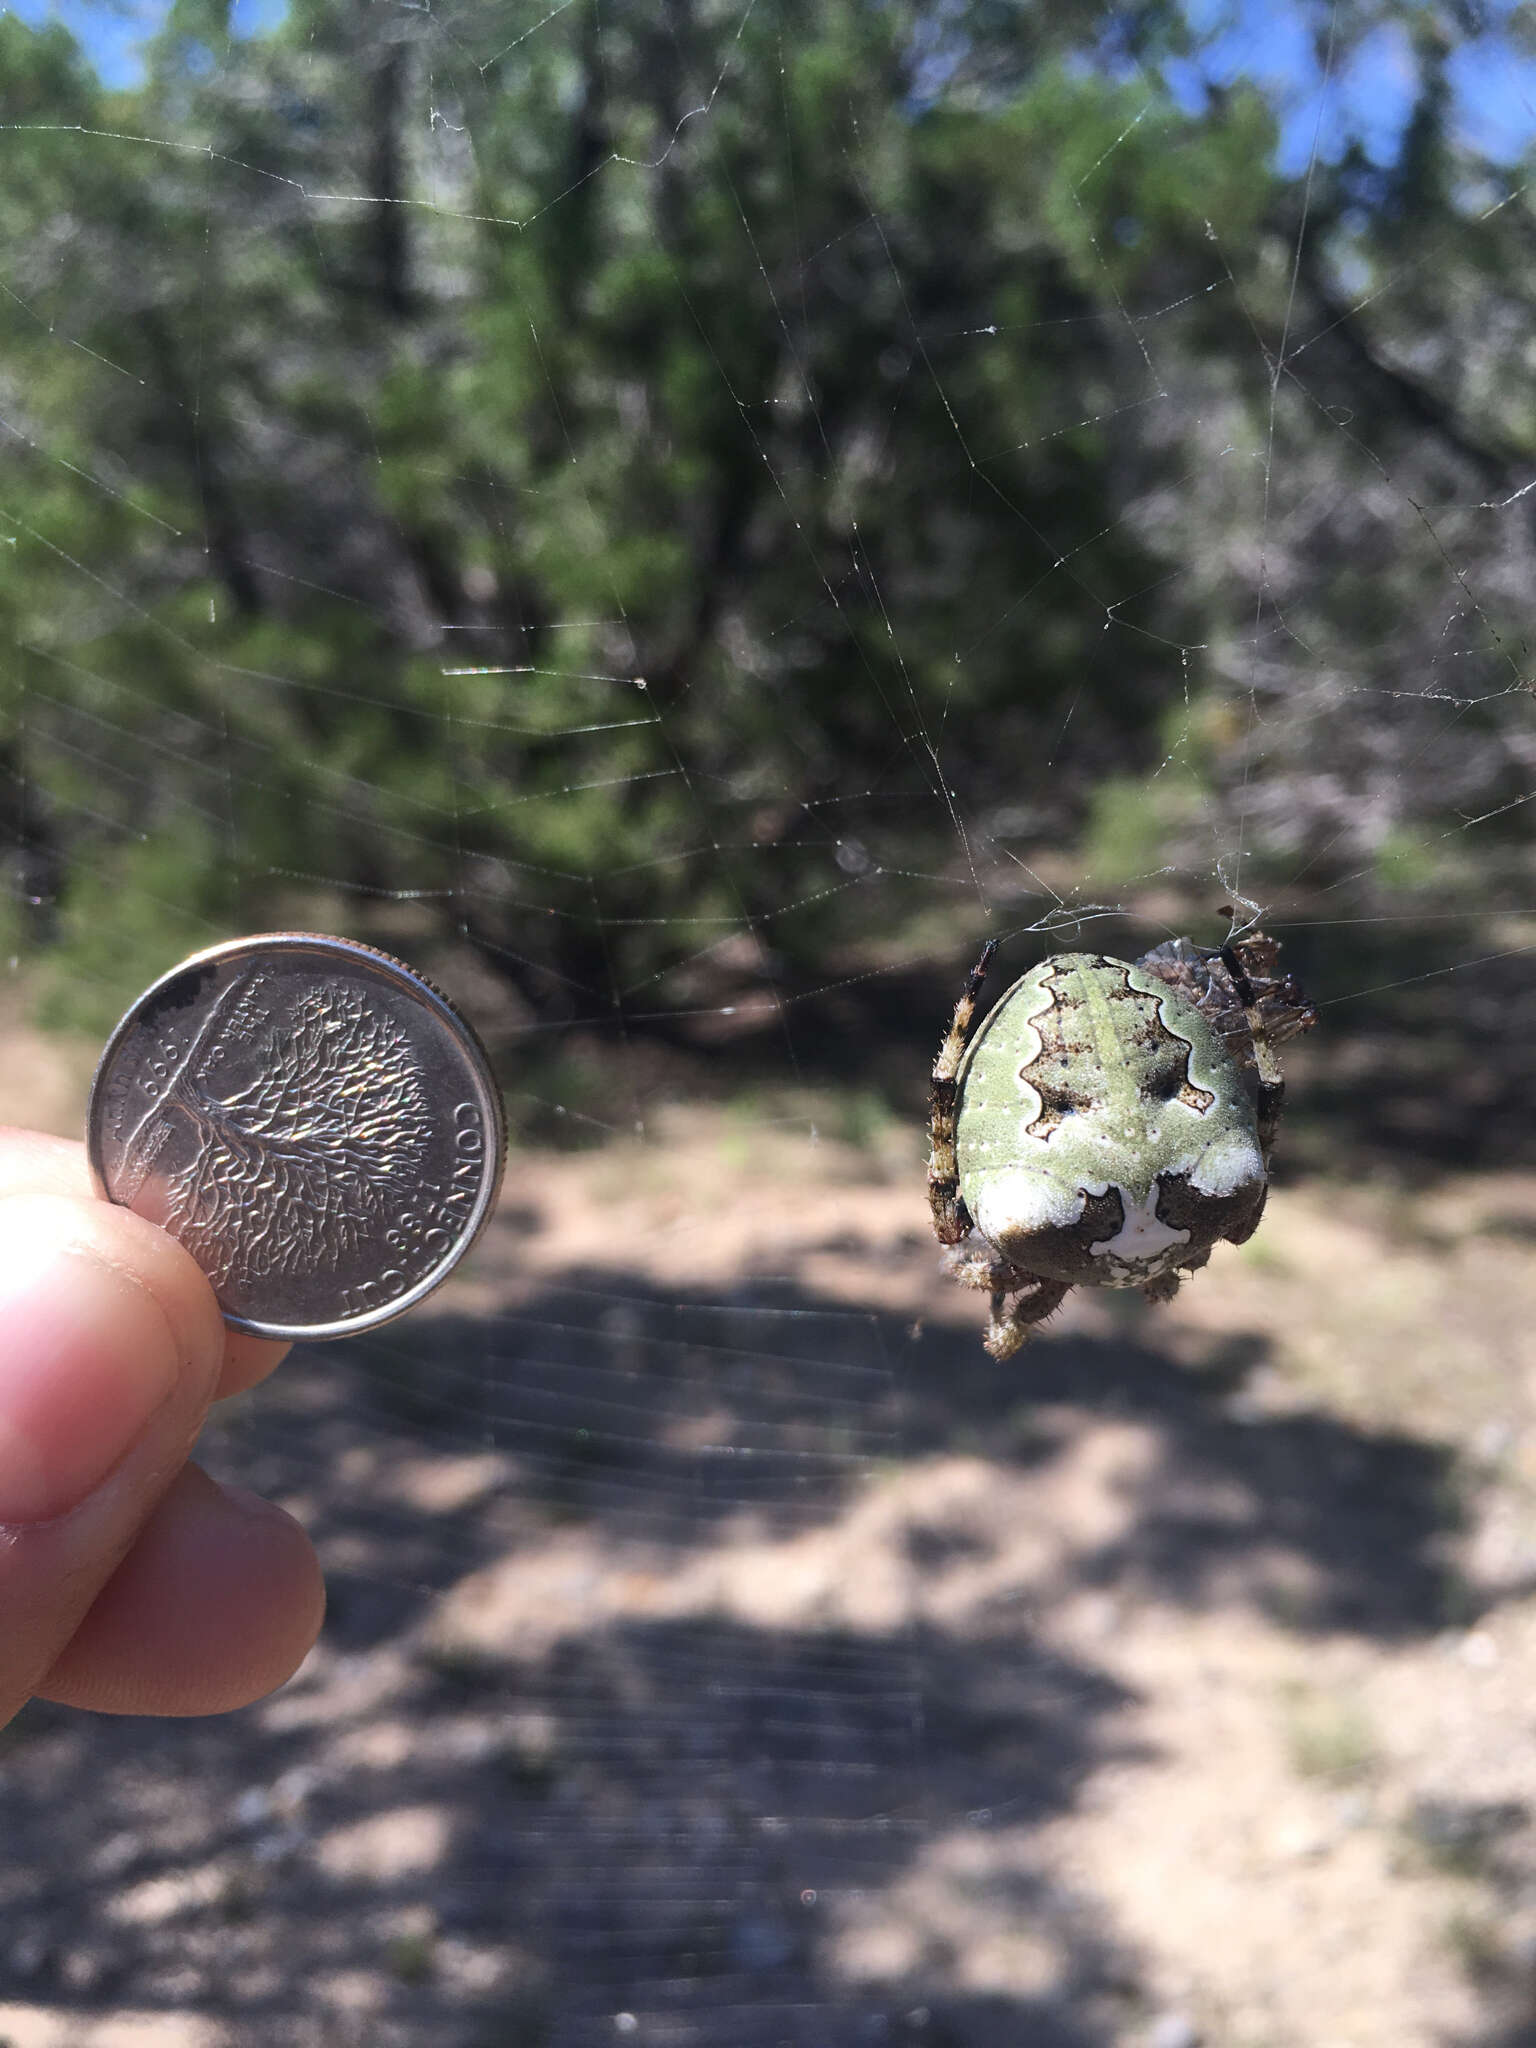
(1016, 1311)
(1274, 1009)
(974, 1263)
(1019, 1299)
(1271, 1101)
(951, 1218)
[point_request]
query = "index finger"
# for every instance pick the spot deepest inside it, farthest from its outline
(34, 1164)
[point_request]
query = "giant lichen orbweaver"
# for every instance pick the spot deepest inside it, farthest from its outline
(1107, 1123)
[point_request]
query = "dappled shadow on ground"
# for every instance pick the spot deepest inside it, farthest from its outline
(1518, 2033)
(691, 1679)
(603, 1383)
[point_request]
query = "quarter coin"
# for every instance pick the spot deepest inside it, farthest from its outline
(314, 1122)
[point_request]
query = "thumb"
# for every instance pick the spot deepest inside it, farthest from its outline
(110, 1348)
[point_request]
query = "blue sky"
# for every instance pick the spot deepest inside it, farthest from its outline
(1372, 89)
(111, 31)
(1269, 43)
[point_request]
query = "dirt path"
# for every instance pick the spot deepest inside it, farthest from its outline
(725, 1651)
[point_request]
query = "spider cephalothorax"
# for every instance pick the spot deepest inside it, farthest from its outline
(1108, 1122)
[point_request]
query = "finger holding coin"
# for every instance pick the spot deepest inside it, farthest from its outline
(33, 1163)
(313, 1121)
(320, 1134)
(130, 1581)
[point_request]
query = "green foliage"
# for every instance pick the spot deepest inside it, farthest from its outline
(621, 529)
(1406, 862)
(1131, 822)
(140, 906)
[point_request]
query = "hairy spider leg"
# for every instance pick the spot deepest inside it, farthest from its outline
(1016, 1311)
(951, 1218)
(1019, 1299)
(1271, 1101)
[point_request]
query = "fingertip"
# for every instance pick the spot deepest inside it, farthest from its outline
(101, 1328)
(34, 1166)
(247, 1361)
(38, 1225)
(34, 1162)
(216, 1605)
(128, 1576)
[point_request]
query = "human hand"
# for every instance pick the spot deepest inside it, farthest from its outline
(129, 1581)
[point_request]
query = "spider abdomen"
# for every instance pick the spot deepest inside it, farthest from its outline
(1105, 1133)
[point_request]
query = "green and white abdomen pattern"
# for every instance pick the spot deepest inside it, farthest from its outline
(1106, 1134)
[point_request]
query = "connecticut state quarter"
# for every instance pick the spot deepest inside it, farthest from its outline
(313, 1121)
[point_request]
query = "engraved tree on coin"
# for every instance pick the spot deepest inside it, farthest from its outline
(309, 1162)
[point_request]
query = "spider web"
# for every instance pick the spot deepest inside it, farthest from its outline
(641, 1713)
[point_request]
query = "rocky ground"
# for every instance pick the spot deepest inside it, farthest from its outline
(725, 1651)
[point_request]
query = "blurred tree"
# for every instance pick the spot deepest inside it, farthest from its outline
(614, 488)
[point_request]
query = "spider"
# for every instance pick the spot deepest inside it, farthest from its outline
(1108, 1122)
